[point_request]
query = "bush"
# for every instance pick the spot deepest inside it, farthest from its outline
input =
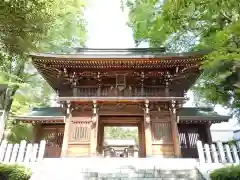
(14, 172)
(226, 173)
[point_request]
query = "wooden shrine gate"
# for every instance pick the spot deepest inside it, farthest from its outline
(53, 134)
(189, 134)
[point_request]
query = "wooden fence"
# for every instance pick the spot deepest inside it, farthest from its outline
(21, 153)
(219, 152)
(2, 123)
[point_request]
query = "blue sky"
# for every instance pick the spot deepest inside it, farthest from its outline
(107, 29)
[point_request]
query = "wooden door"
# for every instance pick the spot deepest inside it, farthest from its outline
(53, 134)
(189, 134)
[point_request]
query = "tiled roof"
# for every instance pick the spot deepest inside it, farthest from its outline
(193, 113)
(48, 111)
(53, 114)
(184, 114)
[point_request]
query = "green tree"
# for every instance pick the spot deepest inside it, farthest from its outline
(121, 133)
(188, 25)
(60, 25)
(26, 26)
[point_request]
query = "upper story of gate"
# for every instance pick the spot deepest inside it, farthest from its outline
(136, 73)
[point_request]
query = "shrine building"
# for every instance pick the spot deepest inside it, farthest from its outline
(143, 87)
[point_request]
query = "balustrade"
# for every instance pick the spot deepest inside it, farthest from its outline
(129, 91)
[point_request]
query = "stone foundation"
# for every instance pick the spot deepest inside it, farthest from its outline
(117, 169)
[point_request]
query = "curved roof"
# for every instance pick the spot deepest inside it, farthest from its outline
(200, 114)
(88, 63)
(88, 53)
(43, 115)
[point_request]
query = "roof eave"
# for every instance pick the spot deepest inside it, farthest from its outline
(39, 118)
(206, 118)
(121, 99)
(117, 54)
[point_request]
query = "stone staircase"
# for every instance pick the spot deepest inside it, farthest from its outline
(117, 169)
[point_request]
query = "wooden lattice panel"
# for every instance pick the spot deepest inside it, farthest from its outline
(188, 137)
(161, 131)
(80, 130)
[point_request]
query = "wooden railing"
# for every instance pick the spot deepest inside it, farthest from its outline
(219, 152)
(21, 153)
(129, 91)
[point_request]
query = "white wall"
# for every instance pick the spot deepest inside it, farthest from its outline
(222, 132)
(222, 135)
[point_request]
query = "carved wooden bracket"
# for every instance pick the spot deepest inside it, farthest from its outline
(147, 119)
(173, 106)
(94, 117)
(147, 116)
(69, 110)
(146, 106)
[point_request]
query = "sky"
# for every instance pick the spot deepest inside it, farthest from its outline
(107, 29)
(107, 25)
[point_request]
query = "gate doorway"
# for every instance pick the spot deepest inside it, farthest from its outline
(120, 121)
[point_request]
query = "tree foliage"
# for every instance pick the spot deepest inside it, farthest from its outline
(43, 26)
(121, 133)
(188, 25)
(27, 26)
(22, 24)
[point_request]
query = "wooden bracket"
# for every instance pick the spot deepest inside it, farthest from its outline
(173, 107)
(147, 116)
(94, 117)
(69, 111)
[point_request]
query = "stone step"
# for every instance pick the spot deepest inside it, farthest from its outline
(116, 169)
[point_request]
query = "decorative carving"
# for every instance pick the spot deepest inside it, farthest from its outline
(69, 110)
(147, 106)
(94, 107)
(120, 105)
(167, 82)
(94, 117)
(173, 107)
(142, 79)
(121, 81)
(80, 130)
(147, 117)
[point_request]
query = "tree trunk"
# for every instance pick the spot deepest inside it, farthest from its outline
(11, 91)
